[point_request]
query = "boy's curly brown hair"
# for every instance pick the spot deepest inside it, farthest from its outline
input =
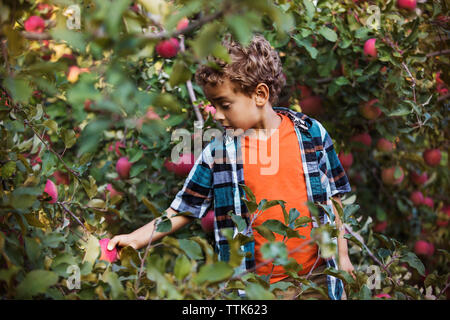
(251, 65)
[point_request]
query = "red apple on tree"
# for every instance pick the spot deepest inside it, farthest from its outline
(346, 159)
(123, 167)
(384, 145)
(183, 24)
(168, 48)
(432, 157)
(407, 4)
(369, 110)
(443, 222)
(61, 177)
(423, 248)
(383, 296)
(362, 138)
(207, 222)
(416, 198)
(183, 166)
(113, 192)
(311, 105)
(369, 48)
(34, 24)
(116, 146)
(392, 176)
(51, 190)
(380, 226)
(419, 179)
(428, 201)
(45, 10)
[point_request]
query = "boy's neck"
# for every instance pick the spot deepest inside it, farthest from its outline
(270, 120)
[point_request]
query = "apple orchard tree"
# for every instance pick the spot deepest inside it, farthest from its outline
(90, 92)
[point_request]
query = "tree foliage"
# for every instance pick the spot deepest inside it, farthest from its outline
(74, 98)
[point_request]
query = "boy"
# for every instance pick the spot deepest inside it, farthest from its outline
(305, 167)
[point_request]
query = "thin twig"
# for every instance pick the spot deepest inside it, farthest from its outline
(76, 174)
(73, 215)
(191, 90)
(147, 249)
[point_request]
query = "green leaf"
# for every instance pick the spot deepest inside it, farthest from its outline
(92, 250)
(328, 34)
(69, 137)
(112, 279)
(191, 248)
(414, 262)
(248, 193)
(265, 232)
(180, 73)
(215, 272)
(20, 89)
(165, 225)
(182, 267)
(310, 9)
(307, 44)
(293, 215)
(239, 221)
(399, 112)
(36, 282)
(74, 39)
(255, 291)
(8, 169)
(275, 250)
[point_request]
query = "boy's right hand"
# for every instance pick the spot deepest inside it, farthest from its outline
(122, 240)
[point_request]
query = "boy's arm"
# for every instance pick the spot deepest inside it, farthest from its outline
(343, 258)
(141, 237)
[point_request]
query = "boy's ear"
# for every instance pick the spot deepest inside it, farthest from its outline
(261, 94)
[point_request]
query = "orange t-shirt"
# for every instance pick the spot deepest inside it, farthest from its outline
(282, 178)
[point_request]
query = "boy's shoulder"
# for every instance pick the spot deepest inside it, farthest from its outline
(304, 122)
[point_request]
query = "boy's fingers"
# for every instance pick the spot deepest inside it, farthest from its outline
(113, 242)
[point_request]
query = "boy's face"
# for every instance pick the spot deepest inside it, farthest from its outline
(234, 110)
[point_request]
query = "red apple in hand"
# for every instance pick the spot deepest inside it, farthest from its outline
(51, 190)
(168, 48)
(107, 255)
(432, 157)
(123, 167)
(207, 222)
(34, 24)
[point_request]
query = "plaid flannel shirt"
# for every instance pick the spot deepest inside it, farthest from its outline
(216, 183)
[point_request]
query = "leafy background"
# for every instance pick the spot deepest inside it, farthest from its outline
(64, 127)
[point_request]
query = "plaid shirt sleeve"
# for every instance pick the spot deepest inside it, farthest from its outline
(196, 195)
(337, 177)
